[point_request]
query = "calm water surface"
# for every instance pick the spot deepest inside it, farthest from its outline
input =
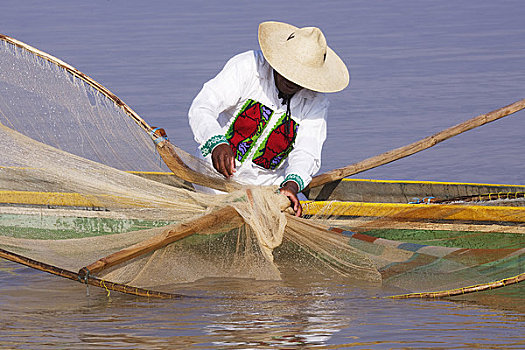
(39, 311)
(417, 67)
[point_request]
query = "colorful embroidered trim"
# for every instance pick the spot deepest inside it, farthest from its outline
(247, 128)
(274, 150)
(295, 178)
(212, 142)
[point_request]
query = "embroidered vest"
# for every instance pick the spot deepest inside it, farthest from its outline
(248, 126)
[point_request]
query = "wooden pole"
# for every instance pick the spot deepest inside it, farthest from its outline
(418, 146)
(459, 291)
(123, 288)
(224, 215)
(182, 171)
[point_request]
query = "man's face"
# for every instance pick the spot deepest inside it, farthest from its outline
(284, 85)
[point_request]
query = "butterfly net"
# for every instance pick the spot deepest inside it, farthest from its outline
(78, 173)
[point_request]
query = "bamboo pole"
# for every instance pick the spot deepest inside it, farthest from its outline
(418, 146)
(181, 170)
(459, 291)
(118, 287)
(224, 215)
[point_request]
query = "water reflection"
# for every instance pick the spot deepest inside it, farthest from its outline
(277, 313)
(295, 313)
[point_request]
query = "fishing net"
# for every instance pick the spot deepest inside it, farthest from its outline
(71, 200)
(68, 201)
(422, 247)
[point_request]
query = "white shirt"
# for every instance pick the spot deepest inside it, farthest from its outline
(241, 107)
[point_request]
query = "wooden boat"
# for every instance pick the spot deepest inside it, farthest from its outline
(469, 202)
(378, 216)
(383, 191)
(482, 244)
(477, 228)
(395, 191)
(479, 249)
(347, 190)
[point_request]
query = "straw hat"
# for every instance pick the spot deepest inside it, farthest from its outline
(302, 56)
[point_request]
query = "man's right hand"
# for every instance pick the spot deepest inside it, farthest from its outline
(223, 160)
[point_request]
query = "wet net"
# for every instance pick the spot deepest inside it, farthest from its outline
(73, 203)
(429, 247)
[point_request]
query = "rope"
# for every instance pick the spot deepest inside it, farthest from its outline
(482, 197)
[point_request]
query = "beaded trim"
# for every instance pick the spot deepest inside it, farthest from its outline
(295, 178)
(212, 142)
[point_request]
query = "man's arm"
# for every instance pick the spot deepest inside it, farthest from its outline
(305, 159)
(219, 94)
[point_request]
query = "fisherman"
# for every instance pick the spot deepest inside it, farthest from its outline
(262, 119)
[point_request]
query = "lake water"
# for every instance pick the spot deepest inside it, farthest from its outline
(417, 67)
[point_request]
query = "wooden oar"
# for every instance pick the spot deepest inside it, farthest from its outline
(219, 217)
(418, 146)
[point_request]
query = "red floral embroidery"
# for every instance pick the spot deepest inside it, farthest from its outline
(247, 128)
(278, 144)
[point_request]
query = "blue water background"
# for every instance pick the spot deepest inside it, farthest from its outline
(417, 67)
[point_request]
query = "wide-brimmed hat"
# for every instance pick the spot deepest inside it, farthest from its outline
(302, 56)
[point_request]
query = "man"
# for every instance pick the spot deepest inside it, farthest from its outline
(262, 119)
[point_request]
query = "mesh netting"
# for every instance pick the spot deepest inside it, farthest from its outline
(68, 114)
(67, 143)
(68, 201)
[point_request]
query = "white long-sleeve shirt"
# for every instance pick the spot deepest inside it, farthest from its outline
(241, 107)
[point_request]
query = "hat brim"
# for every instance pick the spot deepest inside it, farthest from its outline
(332, 76)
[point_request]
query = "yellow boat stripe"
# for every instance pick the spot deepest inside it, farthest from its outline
(416, 211)
(48, 198)
(359, 209)
(62, 199)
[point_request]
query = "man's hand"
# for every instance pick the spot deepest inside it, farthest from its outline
(290, 189)
(223, 160)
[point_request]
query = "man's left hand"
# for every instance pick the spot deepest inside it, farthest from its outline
(290, 189)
